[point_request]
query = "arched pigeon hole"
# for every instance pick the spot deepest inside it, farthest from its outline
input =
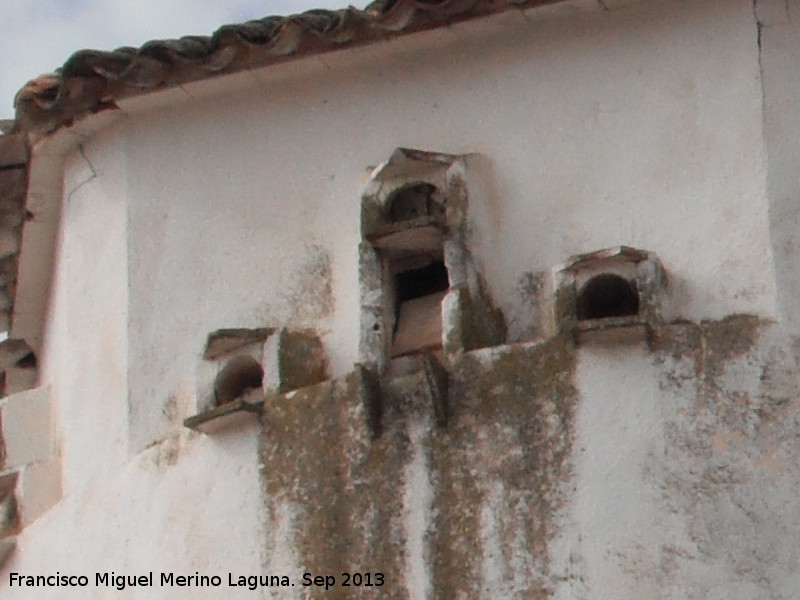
(411, 201)
(240, 375)
(422, 297)
(607, 295)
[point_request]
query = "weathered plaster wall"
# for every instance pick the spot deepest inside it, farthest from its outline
(662, 469)
(256, 260)
(568, 472)
(88, 360)
(427, 503)
(685, 484)
(175, 506)
(640, 125)
(780, 49)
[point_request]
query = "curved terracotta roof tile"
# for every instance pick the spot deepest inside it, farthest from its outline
(91, 80)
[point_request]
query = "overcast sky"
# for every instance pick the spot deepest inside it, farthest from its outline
(37, 36)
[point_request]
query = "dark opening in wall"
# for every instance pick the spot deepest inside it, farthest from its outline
(411, 201)
(608, 295)
(423, 281)
(240, 375)
(418, 296)
(27, 362)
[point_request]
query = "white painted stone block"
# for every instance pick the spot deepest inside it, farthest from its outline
(38, 489)
(28, 427)
(6, 547)
(20, 379)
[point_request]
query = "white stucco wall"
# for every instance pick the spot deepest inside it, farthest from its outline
(782, 122)
(180, 504)
(641, 126)
(638, 126)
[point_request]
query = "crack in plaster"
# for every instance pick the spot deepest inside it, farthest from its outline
(759, 26)
(759, 31)
(91, 169)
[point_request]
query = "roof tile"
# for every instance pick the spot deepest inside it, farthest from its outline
(93, 80)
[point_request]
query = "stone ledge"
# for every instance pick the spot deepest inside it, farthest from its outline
(612, 330)
(239, 413)
(225, 341)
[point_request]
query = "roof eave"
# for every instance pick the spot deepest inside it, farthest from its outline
(92, 82)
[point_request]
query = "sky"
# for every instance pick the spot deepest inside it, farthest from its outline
(37, 36)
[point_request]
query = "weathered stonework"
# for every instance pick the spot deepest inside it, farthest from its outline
(638, 270)
(250, 363)
(436, 225)
(18, 366)
(14, 156)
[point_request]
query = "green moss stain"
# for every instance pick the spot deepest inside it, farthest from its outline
(512, 425)
(317, 454)
(501, 464)
(729, 468)
(301, 360)
(728, 338)
(482, 324)
(510, 420)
